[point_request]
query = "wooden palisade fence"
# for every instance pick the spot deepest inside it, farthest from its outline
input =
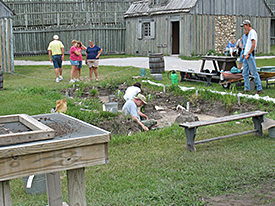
(37, 21)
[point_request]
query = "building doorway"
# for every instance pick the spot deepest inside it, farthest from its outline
(175, 37)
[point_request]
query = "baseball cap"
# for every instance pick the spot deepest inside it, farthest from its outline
(55, 36)
(245, 22)
(141, 97)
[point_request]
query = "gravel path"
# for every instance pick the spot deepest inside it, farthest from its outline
(171, 63)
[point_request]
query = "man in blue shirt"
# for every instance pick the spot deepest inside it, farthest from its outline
(131, 108)
(243, 41)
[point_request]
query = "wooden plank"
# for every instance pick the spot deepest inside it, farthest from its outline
(223, 119)
(220, 58)
(9, 118)
(54, 191)
(33, 124)
(52, 161)
(5, 194)
(76, 187)
(226, 136)
(23, 137)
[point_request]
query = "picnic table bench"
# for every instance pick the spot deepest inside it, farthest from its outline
(191, 75)
(191, 127)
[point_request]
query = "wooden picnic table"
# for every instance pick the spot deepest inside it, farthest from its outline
(224, 63)
(86, 146)
(207, 75)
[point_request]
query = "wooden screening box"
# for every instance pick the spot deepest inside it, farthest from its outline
(21, 128)
(76, 145)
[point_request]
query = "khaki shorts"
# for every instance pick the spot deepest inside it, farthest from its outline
(92, 63)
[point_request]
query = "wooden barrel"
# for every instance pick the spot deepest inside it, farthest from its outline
(1, 78)
(156, 63)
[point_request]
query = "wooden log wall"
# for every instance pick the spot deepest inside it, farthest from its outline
(56, 13)
(262, 26)
(197, 34)
(147, 45)
(110, 39)
(6, 45)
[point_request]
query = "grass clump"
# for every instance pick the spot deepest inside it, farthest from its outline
(93, 92)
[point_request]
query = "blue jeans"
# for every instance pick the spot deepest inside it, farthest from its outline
(57, 61)
(241, 57)
(250, 65)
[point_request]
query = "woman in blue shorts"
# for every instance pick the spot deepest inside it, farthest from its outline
(80, 46)
(74, 59)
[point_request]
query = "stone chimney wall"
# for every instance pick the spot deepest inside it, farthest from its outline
(225, 31)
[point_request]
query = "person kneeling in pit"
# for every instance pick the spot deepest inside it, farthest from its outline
(131, 108)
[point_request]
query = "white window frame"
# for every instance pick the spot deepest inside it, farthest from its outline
(146, 29)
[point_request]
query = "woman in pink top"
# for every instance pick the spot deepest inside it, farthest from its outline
(74, 59)
(80, 46)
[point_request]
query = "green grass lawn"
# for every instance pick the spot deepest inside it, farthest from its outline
(148, 168)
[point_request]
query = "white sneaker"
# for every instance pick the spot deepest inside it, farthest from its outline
(76, 80)
(57, 79)
(60, 78)
(72, 81)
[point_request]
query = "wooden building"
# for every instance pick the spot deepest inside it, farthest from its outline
(6, 38)
(191, 27)
(271, 5)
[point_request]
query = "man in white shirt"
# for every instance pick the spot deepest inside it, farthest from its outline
(249, 62)
(132, 91)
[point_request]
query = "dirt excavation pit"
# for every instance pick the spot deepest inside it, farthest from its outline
(166, 108)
